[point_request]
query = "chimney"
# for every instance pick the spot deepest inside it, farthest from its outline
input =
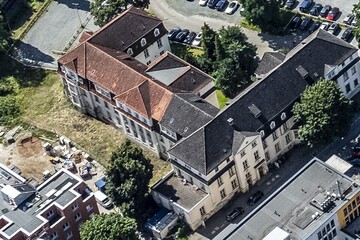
(255, 110)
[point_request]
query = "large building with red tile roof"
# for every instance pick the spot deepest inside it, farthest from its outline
(125, 75)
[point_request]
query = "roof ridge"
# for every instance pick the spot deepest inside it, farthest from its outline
(76, 47)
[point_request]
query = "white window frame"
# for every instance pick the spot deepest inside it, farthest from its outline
(89, 208)
(66, 226)
(156, 32)
(53, 236)
(74, 207)
(146, 54)
(346, 76)
(272, 125)
(353, 70)
(283, 116)
(130, 52)
(159, 43)
(103, 92)
(143, 42)
(234, 184)
(262, 133)
(77, 217)
(69, 235)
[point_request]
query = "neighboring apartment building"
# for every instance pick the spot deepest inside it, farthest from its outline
(53, 210)
(317, 203)
(124, 75)
(233, 150)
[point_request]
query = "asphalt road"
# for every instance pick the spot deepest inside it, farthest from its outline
(52, 31)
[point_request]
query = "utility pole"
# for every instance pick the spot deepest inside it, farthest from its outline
(77, 11)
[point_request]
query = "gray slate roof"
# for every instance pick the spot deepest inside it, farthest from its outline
(186, 113)
(212, 143)
(269, 61)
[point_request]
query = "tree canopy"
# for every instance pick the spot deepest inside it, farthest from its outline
(109, 226)
(322, 113)
(128, 176)
(105, 10)
(4, 35)
(261, 12)
(356, 12)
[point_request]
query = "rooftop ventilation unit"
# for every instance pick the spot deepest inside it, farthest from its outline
(255, 110)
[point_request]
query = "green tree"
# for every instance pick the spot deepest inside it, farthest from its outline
(208, 42)
(263, 13)
(128, 176)
(105, 10)
(322, 113)
(109, 227)
(4, 35)
(356, 12)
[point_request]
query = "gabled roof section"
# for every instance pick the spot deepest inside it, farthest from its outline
(186, 113)
(213, 143)
(178, 74)
(269, 61)
(85, 36)
(125, 29)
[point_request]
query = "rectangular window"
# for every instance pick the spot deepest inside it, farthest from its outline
(345, 212)
(277, 147)
(222, 194)
(103, 92)
(53, 236)
(265, 144)
(69, 235)
(219, 181)
(349, 208)
(96, 98)
(242, 153)
(353, 204)
(256, 155)
(245, 165)
(74, 207)
(328, 227)
(285, 127)
(89, 207)
(202, 211)
(253, 144)
(66, 226)
(146, 53)
(346, 76)
(332, 223)
(231, 172)
(234, 184)
(274, 135)
(50, 214)
(248, 175)
(353, 70)
(347, 88)
(356, 82)
(319, 235)
(159, 43)
(358, 200)
(77, 217)
(288, 138)
(334, 232)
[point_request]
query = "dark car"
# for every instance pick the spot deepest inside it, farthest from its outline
(181, 35)
(333, 14)
(316, 9)
(221, 5)
(324, 12)
(305, 5)
(290, 3)
(306, 23)
(314, 26)
(212, 3)
(357, 147)
(355, 161)
(349, 18)
(334, 28)
(355, 155)
(173, 32)
(255, 197)
(234, 213)
(346, 36)
(189, 38)
(295, 23)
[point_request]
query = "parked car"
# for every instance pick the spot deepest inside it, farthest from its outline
(197, 39)
(289, 4)
(234, 213)
(232, 7)
(305, 5)
(355, 154)
(346, 36)
(203, 2)
(103, 200)
(349, 18)
(334, 28)
(221, 5)
(325, 10)
(190, 38)
(325, 26)
(306, 23)
(316, 9)
(333, 14)
(296, 22)
(255, 197)
(314, 26)
(212, 3)
(355, 161)
(180, 37)
(357, 147)
(173, 32)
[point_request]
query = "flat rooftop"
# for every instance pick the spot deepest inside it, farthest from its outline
(54, 190)
(183, 194)
(298, 206)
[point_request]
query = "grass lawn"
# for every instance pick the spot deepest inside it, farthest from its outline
(222, 99)
(45, 106)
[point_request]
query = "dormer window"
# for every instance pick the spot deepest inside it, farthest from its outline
(156, 32)
(272, 125)
(143, 42)
(283, 116)
(130, 52)
(102, 92)
(262, 133)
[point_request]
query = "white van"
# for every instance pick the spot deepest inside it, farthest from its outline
(102, 199)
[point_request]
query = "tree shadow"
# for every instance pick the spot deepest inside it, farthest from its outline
(76, 4)
(18, 14)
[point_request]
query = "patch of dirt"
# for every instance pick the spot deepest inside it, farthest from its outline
(29, 147)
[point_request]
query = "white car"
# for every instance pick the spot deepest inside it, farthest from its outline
(233, 6)
(203, 2)
(197, 39)
(325, 26)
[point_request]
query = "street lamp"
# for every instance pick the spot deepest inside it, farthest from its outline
(77, 11)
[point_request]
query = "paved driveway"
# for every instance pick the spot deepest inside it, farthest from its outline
(52, 31)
